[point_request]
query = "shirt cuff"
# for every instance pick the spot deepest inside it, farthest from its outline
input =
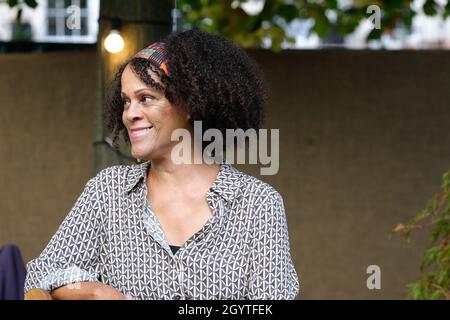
(66, 276)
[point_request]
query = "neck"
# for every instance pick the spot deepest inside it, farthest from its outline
(182, 176)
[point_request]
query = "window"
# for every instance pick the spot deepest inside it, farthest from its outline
(71, 21)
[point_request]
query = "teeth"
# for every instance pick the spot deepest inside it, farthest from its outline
(140, 132)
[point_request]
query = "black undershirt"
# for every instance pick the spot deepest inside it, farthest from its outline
(174, 248)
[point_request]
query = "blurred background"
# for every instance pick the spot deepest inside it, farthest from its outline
(358, 89)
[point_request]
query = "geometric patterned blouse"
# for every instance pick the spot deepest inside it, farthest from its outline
(111, 236)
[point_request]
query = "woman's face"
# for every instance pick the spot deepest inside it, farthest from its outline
(149, 117)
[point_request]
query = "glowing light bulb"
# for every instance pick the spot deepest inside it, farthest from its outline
(114, 42)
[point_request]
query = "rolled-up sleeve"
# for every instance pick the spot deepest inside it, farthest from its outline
(272, 273)
(72, 253)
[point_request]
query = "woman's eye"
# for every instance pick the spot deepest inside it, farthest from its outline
(125, 103)
(148, 98)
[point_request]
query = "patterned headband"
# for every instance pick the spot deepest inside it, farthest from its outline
(156, 53)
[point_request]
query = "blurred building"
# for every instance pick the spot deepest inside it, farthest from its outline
(50, 22)
(67, 21)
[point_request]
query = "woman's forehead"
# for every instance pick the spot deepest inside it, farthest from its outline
(130, 77)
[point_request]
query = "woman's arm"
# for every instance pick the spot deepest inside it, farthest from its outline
(87, 291)
(72, 255)
(272, 272)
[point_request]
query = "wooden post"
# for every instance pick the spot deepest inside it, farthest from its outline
(142, 22)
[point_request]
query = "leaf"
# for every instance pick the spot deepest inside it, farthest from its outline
(12, 3)
(446, 176)
(347, 22)
(322, 25)
(408, 18)
(417, 291)
(331, 4)
(443, 278)
(430, 257)
(437, 295)
(429, 7)
(268, 10)
(288, 11)
(413, 291)
(375, 34)
(31, 3)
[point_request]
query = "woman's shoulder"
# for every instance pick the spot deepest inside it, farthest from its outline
(259, 200)
(121, 175)
(251, 185)
(122, 169)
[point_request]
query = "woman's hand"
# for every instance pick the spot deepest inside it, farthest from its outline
(87, 291)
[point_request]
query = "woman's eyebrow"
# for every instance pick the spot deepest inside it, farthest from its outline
(140, 90)
(145, 89)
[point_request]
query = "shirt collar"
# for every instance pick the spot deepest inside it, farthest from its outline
(136, 173)
(226, 184)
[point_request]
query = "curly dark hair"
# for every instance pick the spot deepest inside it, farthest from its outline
(211, 78)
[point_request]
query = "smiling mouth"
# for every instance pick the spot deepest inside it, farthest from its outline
(136, 133)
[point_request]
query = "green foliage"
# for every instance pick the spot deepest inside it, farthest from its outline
(220, 17)
(226, 17)
(446, 10)
(435, 280)
(430, 7)
(20, 4)
(29, 3)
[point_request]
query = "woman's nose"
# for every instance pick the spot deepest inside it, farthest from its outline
(134, 112)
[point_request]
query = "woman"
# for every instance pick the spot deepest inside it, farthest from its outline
(161, 230)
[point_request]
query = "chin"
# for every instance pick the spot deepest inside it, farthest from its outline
(140, 153)
(149, 151)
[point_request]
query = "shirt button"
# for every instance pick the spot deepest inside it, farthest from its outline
(177, 297)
